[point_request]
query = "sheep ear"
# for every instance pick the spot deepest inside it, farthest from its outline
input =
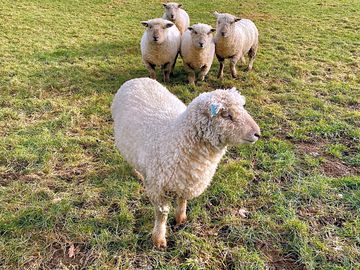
(164, 4)
(179, 5)
(216, 14)
(190, 28)
(237, 19)
(168, 25)
(212, 30)
(145, 23)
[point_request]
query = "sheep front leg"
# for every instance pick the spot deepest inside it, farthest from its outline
(203, 72)
(191, 73)
(221, 68)
(233, 62)
(166, 71)
(180, 215)
(151, 68)
(159, 231)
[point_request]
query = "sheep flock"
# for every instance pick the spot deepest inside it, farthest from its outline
(175, 149)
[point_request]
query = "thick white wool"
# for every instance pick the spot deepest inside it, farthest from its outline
(176, 148)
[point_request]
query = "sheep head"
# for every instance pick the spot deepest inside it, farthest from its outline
(223, 119)
(171, 10)
(225, 24)
(201, 35)
(156, 29)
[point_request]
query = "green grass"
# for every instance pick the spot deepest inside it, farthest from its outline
(63, 183)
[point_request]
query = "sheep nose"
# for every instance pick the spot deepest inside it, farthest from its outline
(156, 38)
(223, 34)
(201, 44)
(172, 16)
(257, 135)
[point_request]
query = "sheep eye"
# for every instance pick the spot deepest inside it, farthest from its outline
(227, 115)
(195, 32)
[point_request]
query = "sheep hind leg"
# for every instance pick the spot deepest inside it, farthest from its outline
(180, 215)
(159, 231)
(233, 62)
(173, 65)
(252, 56)
(151, 68)
(221, 68)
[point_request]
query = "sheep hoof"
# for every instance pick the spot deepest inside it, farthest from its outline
(159, 242)
(181, 219)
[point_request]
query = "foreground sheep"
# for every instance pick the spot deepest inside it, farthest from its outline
(174, 13)
(160, 45)
(197, 50)
(235, 38)
(177, 148)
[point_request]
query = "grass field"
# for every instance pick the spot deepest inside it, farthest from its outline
(65, 190)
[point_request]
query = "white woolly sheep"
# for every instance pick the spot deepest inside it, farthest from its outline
(174, 13)
(197, 50)
(234, 38)
(160, 45)
(177, 148)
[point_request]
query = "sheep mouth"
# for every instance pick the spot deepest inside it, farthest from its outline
(249, 141)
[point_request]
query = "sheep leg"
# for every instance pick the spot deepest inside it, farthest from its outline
(221, 68)
(242, 59)
(180, 215)
(166, 71)
(252, 56)
(159, 231)
(151, 68)
(233, 62)
(173, 65)
(191, 73)
(204, 71)
(138, 175)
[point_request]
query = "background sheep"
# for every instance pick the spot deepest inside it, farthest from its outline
(234, 38)
(197, 50)
(174, 13)
(160, 45)
(177, 148)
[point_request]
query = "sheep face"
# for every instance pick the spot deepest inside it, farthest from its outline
(171, 10)
(156, 30)
(201, 35)
(230, 123)
(225, 24)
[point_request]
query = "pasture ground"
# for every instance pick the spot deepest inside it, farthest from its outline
(65, 190)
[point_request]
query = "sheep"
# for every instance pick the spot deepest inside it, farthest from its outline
(160, 45)
(234, 38)
(177, 148)
(197, 50)
(174, 13)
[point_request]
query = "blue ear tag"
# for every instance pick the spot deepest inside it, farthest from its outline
(214, 110)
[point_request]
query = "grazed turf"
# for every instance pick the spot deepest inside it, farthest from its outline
(63, 185)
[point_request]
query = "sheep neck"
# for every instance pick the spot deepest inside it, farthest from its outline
(191, 143)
